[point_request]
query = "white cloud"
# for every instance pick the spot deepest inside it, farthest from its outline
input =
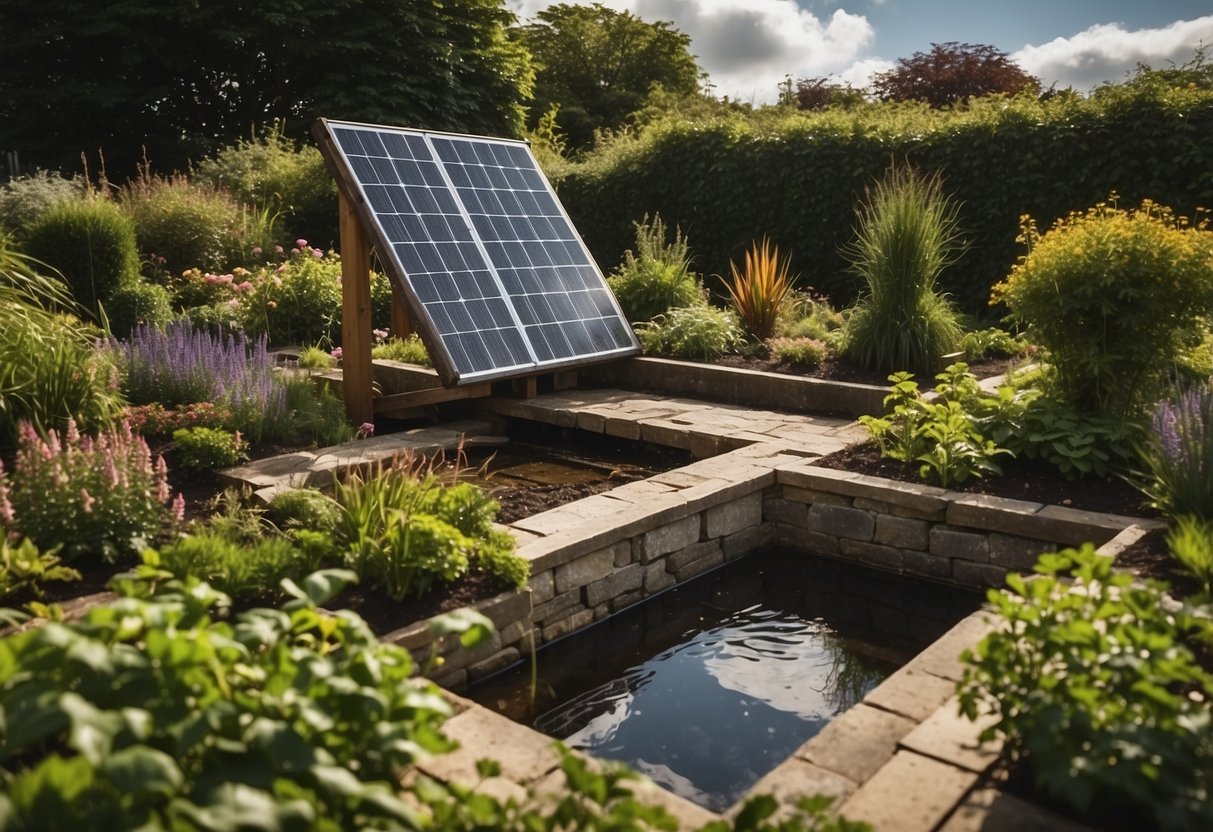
(1107, 52)
(748, 46)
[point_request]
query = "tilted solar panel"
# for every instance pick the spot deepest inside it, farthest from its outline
(499, 281)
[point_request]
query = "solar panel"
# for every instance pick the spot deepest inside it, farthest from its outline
(499, 281)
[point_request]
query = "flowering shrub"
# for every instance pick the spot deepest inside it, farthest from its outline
(298, 301)
(806, 353)
(156, 420)
(1178, 456)
(90, 496)
(183, 365)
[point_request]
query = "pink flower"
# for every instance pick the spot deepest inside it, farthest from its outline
(179, 507)
(301, 242)
(246, 286)
(278, 249)
(317, 253)
(281, 269)
(380, 334)
(294, 251)
(256, 249)
(366, 429)
(87, 501)
(233, 304)
(336, 353)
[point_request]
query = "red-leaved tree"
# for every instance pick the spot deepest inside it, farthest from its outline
(953, 73)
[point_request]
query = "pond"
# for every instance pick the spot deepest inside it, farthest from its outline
(709, 686)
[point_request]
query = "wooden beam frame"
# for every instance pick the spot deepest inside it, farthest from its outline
(356, 336)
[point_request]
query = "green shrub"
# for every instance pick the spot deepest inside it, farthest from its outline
(700, 333)
(135, 302)
(906, 237)
(657, 277)
(49, 369)
(1190, 542)
(304, 508)
(246, 571)
(409, 350)
(182, 225)
(151, 712)
(299, 302)
(275, 173)
(991, 342)
(24, 199)
(1113, 296)
(99, 496)
(310, 414)
(805, 316)
(1095, 687)
(316, 359)
(205, 449)
(23, 567)
(802, 353)
(91, 243)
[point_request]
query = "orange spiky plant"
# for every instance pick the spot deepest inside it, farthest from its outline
(759, 289)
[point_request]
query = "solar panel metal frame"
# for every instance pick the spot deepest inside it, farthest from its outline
(355, 192)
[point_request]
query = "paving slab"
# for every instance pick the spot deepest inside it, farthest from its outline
(989, 810)
(857, 743)
(525, 755)
(912, 793)
(951, 738)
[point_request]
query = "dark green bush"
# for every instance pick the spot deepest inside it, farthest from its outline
(137, 301)
(1097, 688)
(699, 333)
(246, 571)
(205, 449)
(304, 508)
(728, 181)
(91, 242)
(1113, 296)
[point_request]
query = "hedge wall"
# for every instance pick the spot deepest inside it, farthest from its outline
(798, 178)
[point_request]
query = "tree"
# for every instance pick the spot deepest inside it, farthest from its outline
(952, 73)
(599, 66)
(181, 77)
(822, 93)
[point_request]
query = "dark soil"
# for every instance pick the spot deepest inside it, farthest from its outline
(838, 369)
(385, 615)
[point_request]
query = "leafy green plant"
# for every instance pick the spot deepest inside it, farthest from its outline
(956, 450)
(205, 449)
(1096, 688)
(1112, 296)
(1190, 541)
(1178, 455)
(403, 530)
(245, 571)
(297, 302)
(91, 243)
(151, 712)
(803, 315)
(316, 359)
(304, 508)
(658, 276)
(804, 353)
(906, 237)
(410, 350)
(134, 302)
(692, 332)
(991, 341)
(1076, 444)
(899, 433)
(83, 495)
(49, 369)
(23, 566)
(310, 414)
(759, 289)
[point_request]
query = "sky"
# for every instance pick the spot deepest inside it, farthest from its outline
(747, 47)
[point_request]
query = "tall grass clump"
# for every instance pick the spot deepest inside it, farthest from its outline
(49, 370)
(1178, 455)
(1113, 296)
(24, 199)
(656, 277)
(84, 495)
(181, 365)
(91, 242)
(907, 235)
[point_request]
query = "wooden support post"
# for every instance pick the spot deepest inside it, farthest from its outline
(355, 314)
(525, 388)
(402, 327)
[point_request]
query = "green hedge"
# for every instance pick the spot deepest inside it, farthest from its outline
(798, 178)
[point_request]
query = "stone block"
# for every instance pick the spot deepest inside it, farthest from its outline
(868, 504)
(954, 543)
(811, 497)
(841, 521)
(623, 428)
(989, 810)
(585, 570)
(942, 657)
(743, 542)
(950, 738)
(794, 779)
(656, 578)
(697, 551)
(926, 565)
(1018, 554)
(996, 514)
(902, 532)
(912, 793)
(627, 599)
(912, 693)
(493, 664)
(697, 567)
(873, 554)
(857, 743)
(564, 626)
(626, 579)
(623, 553)
(557, 607)
(671, 537)
(779, 510)
(733, 516)
(525, 755)
(543, 588)
(967, 573)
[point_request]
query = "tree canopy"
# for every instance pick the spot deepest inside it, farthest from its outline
(599, 66)
(181, 77)
(952, 73)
